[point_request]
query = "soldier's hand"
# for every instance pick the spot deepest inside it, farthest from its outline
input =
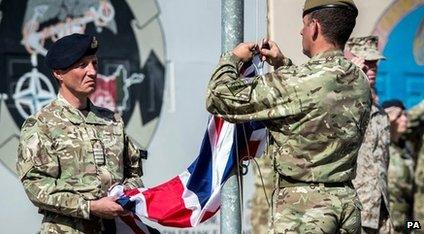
(245, 51)
(106, 207)
(271, 53)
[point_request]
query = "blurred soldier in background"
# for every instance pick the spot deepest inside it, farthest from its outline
(401, 167)
(373, 157)
(415, 136)
(316, 114)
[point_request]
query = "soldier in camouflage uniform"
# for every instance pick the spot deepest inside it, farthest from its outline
(261, 199)
(401, 167)
(415, 136)
(316, 114)
(373, 157)
(71, 152)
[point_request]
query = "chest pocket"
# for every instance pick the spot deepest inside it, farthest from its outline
(68, 146)
(112, 140)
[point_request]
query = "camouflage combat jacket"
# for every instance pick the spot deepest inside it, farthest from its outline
(371, 172)
(415, 136)
(401, 185)
(316, 113)
(66, 159)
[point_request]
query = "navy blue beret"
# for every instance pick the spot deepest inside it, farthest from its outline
(69, 49)
(393, 102)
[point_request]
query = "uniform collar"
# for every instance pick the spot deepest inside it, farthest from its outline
(77, 117)
(327, 54)
(375, 109)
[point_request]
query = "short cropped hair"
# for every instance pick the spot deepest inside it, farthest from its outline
(336, 24)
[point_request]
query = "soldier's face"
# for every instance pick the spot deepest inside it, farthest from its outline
(307, 33)
(370, 69)
(80, 78)
(398, 119)
(401, 123)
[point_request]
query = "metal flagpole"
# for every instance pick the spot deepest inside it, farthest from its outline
(232, 19)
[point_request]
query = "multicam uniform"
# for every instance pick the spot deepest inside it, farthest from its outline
(260, 215)
(317, 114)
(401, 183)
(66, 159)
(416, 136)
(371, 173)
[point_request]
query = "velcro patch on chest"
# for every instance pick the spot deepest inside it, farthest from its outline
(98, 152)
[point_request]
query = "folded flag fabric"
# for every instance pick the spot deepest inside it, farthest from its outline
(194, 195)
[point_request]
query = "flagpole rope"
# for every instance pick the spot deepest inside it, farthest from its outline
(239, 176)
(256, 163)
(262, 182)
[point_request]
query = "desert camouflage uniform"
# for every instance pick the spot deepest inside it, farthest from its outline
(401, 183)
(65, 160)
(416, 136)
(316, 114)
(260, 213)
(373, 157)
(371, 172)
(364, 47)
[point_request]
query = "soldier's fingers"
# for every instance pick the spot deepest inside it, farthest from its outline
(264, 44)
(266, 52)
(250, 45)
(272, 44)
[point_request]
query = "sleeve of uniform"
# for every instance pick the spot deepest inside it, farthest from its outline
(38, 169)
(384, 140)
(132, 163)
(416, 119)
(415, 125)
(416, 114)
(271, 96)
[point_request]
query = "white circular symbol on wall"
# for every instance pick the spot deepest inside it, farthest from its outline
(32, 92)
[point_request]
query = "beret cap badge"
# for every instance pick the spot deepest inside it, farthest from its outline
(94, 43)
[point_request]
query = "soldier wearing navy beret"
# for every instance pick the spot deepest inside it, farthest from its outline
(71, 152)
(401, 166)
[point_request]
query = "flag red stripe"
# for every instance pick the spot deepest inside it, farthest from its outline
(253, 147)
(218, 126)
(163, 201)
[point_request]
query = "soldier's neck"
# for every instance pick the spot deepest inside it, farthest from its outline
(75, 100)
(321, 46)
(395, 136)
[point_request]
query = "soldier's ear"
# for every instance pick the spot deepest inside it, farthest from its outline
(58, 75)
(316, 27)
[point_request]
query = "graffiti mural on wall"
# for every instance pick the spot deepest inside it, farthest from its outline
(131, 59)
(401, 32)
(102, 15)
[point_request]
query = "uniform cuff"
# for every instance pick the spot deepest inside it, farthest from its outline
(287, 62)
(229, 57)
(84, 209)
